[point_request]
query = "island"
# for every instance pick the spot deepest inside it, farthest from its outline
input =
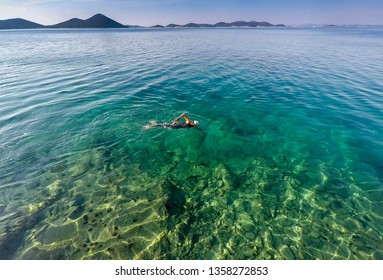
(102, 21)
(19, 23)
(228, 24)
(96, 21)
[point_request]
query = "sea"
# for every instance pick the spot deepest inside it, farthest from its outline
(285, 163)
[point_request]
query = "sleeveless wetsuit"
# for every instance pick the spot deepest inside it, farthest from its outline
(174, 125)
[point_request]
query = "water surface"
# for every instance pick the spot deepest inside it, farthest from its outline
(287, 162)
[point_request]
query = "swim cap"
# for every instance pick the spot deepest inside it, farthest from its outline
(196, 122)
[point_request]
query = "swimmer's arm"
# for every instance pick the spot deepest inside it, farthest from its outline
(187, 119)
(180, 117)
(183, 115)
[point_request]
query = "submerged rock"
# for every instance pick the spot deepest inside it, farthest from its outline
(76, 213)
(338, 187)
(79, 200)
(287, 253)
(58, 233)
(78, 170)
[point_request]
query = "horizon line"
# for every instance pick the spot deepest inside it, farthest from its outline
(196, 22)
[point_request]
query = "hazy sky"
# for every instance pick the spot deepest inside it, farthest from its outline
(150, 12)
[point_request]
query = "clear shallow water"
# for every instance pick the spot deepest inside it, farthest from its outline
(287, 162)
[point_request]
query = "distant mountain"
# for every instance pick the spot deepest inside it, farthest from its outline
(134, 26)
(96, 21)
(243, 24)
(18, 23)
(173, 25)
(228, 24)
(197, 25)
(101, 21)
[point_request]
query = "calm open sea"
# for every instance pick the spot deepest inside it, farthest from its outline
(287, 162)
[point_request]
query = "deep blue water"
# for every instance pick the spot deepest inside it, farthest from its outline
(286, 163)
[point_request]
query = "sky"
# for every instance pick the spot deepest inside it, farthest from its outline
(151, 12)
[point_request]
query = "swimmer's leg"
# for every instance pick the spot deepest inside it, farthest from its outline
(151, 124)
(155, 124)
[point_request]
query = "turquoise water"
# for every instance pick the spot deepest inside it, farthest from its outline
(287, 162)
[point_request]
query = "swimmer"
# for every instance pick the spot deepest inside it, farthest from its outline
(175, 124)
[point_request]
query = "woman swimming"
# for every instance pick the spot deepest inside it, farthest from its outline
(175, 124)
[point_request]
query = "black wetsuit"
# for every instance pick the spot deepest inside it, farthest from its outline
(174, 125)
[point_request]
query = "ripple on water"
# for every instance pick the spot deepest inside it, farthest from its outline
(284, 165)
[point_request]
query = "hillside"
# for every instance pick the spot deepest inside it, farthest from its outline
(96, 21)
(18, 23)
(101, 21)
(228, 24)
